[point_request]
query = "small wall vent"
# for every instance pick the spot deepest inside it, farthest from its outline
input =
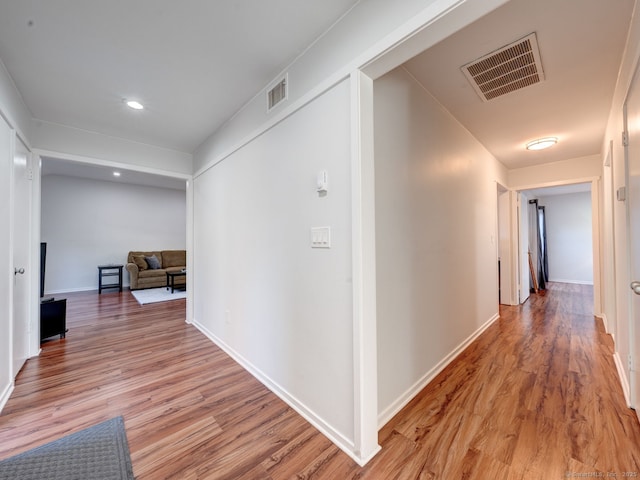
(277, 94)
(506, 70)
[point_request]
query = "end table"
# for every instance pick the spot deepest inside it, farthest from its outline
(105, 271)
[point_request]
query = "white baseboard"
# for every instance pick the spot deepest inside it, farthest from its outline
(406, 397)
(81, 289)
(307, 413)
(70, 290)
(4, 397)
(624, 381)
(577, 282)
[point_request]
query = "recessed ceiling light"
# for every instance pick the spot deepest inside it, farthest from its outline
(135, 105)
(542, 143)
(116, 174)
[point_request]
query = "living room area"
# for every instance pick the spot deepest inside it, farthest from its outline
(98, 216)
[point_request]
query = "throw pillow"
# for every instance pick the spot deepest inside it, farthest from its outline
(140, 262)
(154, 263)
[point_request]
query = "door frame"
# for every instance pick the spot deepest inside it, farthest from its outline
(595, 231)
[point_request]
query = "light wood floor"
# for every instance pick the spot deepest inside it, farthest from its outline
(535, 397)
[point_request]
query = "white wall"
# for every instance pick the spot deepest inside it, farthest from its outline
(87, 223)
(61, 141)
(565, 171)
(570, 250)
(436, 223)
(12, 108)
(281, 308)
(615, 216)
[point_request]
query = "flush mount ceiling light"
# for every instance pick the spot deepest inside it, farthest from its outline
(542, 143)
(135, 105)
(116, 174)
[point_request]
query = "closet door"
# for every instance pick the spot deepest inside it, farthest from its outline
(21, 241)
(6, 262)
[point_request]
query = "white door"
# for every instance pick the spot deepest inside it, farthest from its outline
(504, 248)
(21, 263)
(632, 119)
(6, 260)
(524, 284)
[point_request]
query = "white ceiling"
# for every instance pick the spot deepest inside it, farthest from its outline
(581, 44)
(195, 63)
(192, 63)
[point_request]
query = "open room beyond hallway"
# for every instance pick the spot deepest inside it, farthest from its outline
(535, 396)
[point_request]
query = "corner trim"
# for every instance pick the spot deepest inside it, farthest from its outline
(4, 398)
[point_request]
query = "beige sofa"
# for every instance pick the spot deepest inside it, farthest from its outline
(141, 275)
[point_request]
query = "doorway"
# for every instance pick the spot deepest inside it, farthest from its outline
(561, 246)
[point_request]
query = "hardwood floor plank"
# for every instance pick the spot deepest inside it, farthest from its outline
(535, 396)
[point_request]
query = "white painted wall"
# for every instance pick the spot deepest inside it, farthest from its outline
(436, 223)
(281, 308)
(570, 250)
(557, 173)
(616, 217)
(87, 223)
(12, 108)
(60, 141)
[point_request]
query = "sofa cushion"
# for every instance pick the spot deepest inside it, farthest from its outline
(140, 262)
(153, 273)
(153, 262)
(174, 258)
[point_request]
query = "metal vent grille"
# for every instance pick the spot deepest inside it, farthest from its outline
(277, 94)
(508, 69)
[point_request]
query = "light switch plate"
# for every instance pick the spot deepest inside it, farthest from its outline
(320, 237)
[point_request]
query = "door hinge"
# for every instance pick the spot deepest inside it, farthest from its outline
(630, 362)
(29, 174)
(625, 139)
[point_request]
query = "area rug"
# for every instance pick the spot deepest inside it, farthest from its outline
(100, 452)
(154, 295)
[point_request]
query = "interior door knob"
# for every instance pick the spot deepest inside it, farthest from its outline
(18, 271)
(635, 286)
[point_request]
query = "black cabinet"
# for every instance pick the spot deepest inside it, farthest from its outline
(53, 318)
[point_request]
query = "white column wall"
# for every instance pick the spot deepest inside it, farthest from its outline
(436, 224)
(278, 306)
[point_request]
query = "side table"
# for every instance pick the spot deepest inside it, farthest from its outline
(105, 271)
(171, 278)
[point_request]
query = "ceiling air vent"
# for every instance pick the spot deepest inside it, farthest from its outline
(510, 68)
(277, 93)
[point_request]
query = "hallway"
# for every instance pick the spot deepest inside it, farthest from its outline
(536, 396)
